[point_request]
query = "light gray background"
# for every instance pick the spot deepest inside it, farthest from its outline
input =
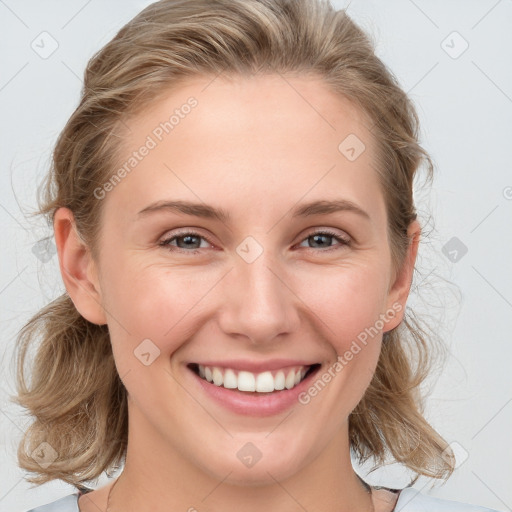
(465, 105)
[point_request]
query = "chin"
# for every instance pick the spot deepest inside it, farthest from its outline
(239, 470)
(259, 475)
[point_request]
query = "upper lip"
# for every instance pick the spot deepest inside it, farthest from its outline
(256, 366)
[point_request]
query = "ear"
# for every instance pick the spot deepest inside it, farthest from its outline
(399, 289)
(77, 268)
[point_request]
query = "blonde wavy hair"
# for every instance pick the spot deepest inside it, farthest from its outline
(75, 396)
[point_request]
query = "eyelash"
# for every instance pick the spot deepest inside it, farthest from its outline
(166, 243)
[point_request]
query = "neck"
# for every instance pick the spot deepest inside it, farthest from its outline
(158, 477)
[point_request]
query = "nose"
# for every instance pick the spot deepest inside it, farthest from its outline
(258, 302)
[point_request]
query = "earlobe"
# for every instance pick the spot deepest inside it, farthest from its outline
(400, 288)
(77, 268)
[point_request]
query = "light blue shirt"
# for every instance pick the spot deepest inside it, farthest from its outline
(409, 500)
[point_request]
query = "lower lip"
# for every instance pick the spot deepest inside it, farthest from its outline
(254, 404)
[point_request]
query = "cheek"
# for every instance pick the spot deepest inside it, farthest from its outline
(347, 300)
(347, 304)
(151, 303)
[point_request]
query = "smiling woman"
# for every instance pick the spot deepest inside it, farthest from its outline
(234, 323)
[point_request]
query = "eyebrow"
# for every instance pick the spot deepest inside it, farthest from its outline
(321, 207)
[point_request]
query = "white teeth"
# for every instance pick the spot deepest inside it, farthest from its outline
(264, 382)
(246, 381)
(230, 381)
(279, 380)
(217, 377)
(290, 380)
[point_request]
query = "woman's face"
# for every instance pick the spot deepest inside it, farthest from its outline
(294, 271)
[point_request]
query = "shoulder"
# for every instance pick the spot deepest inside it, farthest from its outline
(68, 503)
(411, 500)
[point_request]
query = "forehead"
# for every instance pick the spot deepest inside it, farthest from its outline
(248, 139)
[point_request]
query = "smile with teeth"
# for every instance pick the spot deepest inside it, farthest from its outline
(265, 382)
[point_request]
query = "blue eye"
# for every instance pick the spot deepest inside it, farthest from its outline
(318, 235)
(190, 241)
